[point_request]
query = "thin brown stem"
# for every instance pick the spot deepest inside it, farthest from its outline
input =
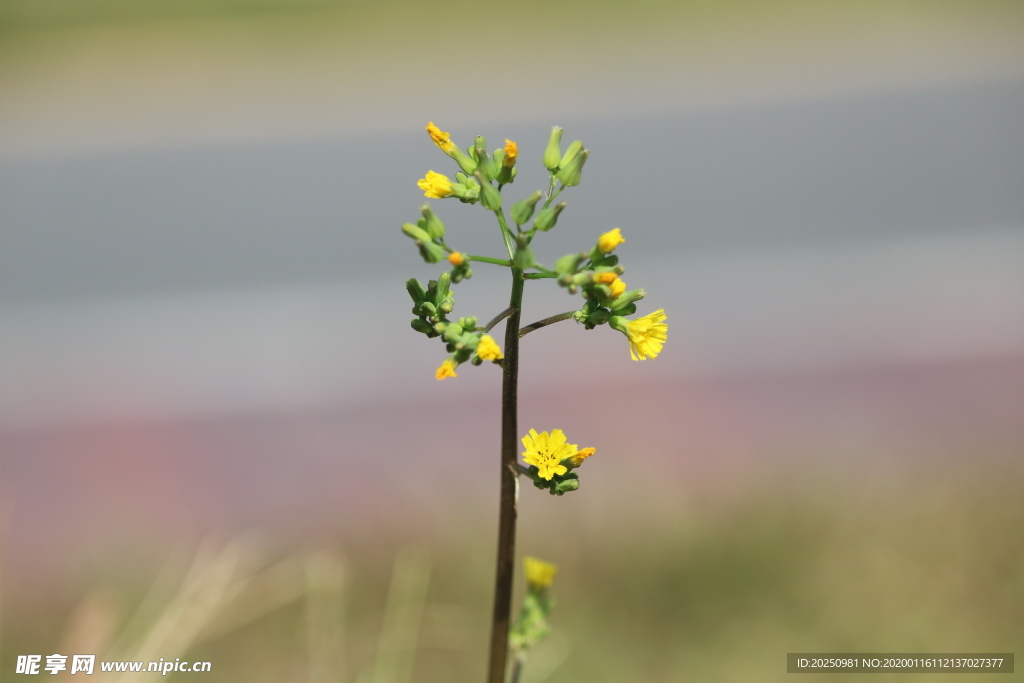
(545, 322)
(498, 318)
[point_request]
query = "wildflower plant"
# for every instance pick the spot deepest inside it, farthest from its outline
(549, 461)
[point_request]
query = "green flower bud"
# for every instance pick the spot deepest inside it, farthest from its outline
(570, 153)
(609, 261)
(563, 487)
(415, 232)
(570, 175)
(490, 198)
(415, 289)
(553, 152)
(465, 162)
(547, 218)
(522, 211)
(444, 286)
(422, 326)
(425, 309)
(617, 322)
(523, 257)
(431, 252)
(627, 298)
(446, 306)
(599, 317)
(568, 263)
(451, 332)
(629, 309)
(468, 323)
(484, 163)
(433, 224)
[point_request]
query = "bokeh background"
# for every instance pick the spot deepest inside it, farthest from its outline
(220, 440)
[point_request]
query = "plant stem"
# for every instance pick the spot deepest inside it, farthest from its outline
(498, 318)
(517, 667)
(505, 565)
(488, 259)
(539, 276)
(545, 322)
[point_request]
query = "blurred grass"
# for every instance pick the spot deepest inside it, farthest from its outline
(711, 586)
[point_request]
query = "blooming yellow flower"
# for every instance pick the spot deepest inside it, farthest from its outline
(456, 258)
(446, 370)
(605, 278)
(511, 152)
(582, 454)
(539, 574)
(611, 239)
(440, 138)
(547, 452)
(647, 335)
(435, 185)
(488, 349)
(618, 287)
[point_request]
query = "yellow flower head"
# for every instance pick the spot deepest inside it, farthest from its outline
(582, 454)
(446, 370)
(647, 335)
(539, 574)
(440, 138)
(488, 349)
(605, 278)
(547, 452)
(618, 287)
(456, 258)
(611, 239)
(511, 152)
(435, 185)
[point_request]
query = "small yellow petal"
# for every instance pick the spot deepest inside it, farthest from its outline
(539, 574)
(488, 349)
(446, 369)
(511, 153)
(440, 138)
(435, 185)
(611, 239)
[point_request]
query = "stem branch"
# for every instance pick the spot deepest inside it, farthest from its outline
(545, 322)
(488, 259)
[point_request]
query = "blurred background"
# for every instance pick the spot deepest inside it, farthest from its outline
(220, 440)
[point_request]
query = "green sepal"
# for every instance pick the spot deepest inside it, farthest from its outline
(547, 218)
(522, 211)
(415, 289)
(570, 153)
(490, 198)
(421, 325)
(568, 264)
(415, 232)
(431, 223)
(571, 174)
(430, 251)
(553, 152)
(626, 299)
(425, 309)
(523, 258)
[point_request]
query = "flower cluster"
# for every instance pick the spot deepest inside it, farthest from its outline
(551, 461)
(532, 624)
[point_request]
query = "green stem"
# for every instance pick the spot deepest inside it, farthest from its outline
(505, 565)
(506, 234)
(539, 276)
(488, 259)
(545, 322)
(498, 318)
(517, 667)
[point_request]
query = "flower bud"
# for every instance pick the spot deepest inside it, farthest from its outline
(425, 309)
(547, 218)
(568, 264)
(433, 224)
(523, 258)
(465, 162)
(627, 298)
(522, 211)
(415, 232)
(452, 332)
(444, 286)
(599, 317)
(422, 326)
(490, 198)
(570, 175)
(570, 153)
(563, 487)
(553, 152)
(415, 289)
(484, 163)
(431, 252)
(468, 323)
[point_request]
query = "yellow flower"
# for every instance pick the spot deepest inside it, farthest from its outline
(618, 287)
(446, 370)
(435, 185)
(547, 452)
(582, 454)
(605, 278)
(456, 258)
(488, 349)
(611, 239)
(539, 574)
(647, 335)
(511, 152)
(440, 138)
